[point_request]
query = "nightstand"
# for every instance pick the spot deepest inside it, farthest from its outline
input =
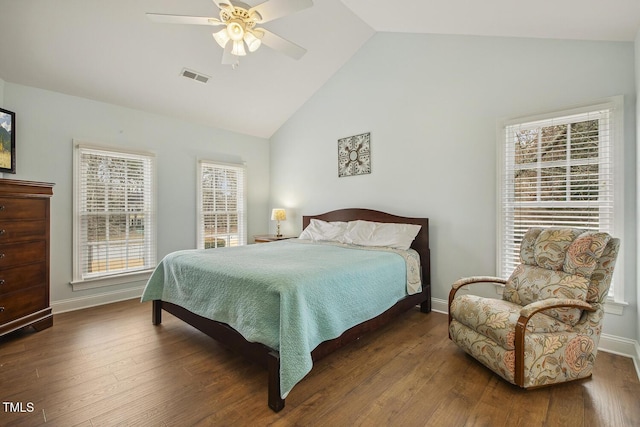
(264, 238)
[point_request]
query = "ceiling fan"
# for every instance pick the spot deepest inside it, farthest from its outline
(240, 26)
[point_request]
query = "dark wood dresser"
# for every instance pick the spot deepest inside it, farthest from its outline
(24, 255)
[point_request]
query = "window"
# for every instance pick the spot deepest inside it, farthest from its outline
(221, 205)
(114, 221)
(561, 170)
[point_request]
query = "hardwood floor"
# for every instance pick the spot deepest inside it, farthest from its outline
(109, 365)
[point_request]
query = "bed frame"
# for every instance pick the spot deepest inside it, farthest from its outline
(268, 357)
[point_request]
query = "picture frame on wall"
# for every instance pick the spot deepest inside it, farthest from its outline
(7, 141)
(354, 155)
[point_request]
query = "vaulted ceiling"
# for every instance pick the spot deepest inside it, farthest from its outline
(109, 51)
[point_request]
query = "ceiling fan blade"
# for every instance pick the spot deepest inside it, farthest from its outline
(180, 19)
(274, 9)
(224, 4)
(276, 42)
(227, 57)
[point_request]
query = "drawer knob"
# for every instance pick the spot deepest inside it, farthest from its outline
(2, 207)
(1, 282)
(2, 232)
(1, 309)
(1, 256)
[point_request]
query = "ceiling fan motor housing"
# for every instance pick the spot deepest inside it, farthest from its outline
(241, 14)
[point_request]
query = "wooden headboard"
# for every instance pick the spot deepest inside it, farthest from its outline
(420, 243)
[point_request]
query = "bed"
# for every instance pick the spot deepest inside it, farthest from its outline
(285, 352)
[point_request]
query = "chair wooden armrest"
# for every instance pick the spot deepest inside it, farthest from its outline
(526, 314)
(477, 279)
(458, 284)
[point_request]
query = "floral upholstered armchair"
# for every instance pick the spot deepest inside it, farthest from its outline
(547, 326)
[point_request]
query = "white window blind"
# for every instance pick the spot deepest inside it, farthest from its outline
(221, 210)
(558, 171)
(115, 218)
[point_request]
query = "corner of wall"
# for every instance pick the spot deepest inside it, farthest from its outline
(1, 92)
(637, 75)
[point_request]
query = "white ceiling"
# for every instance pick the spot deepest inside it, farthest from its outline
(613, 20)
(109, 51)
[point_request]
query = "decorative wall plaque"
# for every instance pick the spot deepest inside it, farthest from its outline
(354, 155)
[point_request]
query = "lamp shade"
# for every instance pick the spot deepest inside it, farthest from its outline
(221, 37)
(278, 215)
(252, 41)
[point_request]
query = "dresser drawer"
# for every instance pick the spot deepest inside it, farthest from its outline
(22, 253)
(18, 231)
(21, 303)
(23, 208)
(18, 278)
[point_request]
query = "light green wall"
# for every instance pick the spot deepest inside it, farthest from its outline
(47, 122)
(432, 104)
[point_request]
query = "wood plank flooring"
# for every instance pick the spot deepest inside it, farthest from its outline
(109, 366)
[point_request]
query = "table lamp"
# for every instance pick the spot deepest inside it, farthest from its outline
(278, 215)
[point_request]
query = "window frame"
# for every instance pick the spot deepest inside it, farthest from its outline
(150, 240)
(242, 204)
(615, 106)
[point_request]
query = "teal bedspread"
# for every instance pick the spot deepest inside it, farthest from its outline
(290, 295)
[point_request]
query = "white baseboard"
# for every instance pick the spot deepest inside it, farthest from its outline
(608, 343)
(439, 305)
(95, 300)
(623, 347)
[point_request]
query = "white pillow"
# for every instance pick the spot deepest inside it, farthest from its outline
(367, 233)
(319, 230)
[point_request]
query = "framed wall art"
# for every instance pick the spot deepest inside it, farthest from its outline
(354, 155)
(7, 141)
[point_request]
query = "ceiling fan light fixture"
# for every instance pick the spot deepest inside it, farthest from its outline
(238, 48)
(253, 42)
(222, 37)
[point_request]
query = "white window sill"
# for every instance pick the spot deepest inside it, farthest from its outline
(81, 285)
(614, 307)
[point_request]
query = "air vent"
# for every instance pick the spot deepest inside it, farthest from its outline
(193, 75)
